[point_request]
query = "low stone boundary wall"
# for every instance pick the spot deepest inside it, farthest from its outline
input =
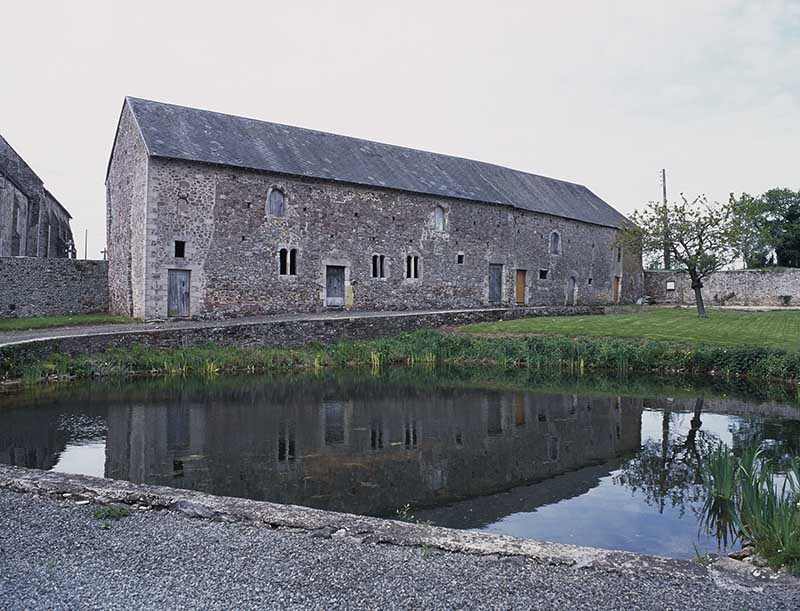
(747, 287)
(35, 286)
(283, 333)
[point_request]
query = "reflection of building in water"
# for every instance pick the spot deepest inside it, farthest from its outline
(367, 455)
(36, 437)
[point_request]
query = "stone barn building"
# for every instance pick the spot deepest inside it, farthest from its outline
(213, 215)
(32, 222)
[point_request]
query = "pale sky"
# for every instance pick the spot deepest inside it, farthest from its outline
(600, 93)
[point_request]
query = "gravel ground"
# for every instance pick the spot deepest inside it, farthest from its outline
(55, 555)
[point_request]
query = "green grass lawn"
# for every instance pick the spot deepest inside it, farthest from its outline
(721, 328)
(43, 322)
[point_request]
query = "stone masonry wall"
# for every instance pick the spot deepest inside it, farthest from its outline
(750, 287)
(34, 286)
(232, 247)
(126, 193)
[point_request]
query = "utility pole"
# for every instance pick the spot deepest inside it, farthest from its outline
(667, 256)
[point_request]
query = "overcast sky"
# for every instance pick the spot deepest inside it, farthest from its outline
(600, 93)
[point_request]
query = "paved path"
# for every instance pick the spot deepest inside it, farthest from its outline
(20, 336)
(55, 555)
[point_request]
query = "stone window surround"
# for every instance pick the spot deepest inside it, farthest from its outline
(418, 266)
(439, 223)
(186, 251)
(288, 248)
(555, 252)
(386, 266)
(282, 188)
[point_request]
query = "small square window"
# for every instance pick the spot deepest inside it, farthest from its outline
(460, 258)
(180, 249)
(543, 274)
(670, 286)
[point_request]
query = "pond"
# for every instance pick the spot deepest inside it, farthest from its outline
(600, 462)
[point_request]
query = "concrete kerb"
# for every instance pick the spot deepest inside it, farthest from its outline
(317, 522)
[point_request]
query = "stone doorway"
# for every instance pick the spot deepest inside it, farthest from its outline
(334, 286)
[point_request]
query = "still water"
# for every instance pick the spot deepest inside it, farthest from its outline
(604, 463)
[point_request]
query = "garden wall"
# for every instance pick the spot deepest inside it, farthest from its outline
(36, 286)
(747, 287)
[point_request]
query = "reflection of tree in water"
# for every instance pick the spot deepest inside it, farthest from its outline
(671, 469)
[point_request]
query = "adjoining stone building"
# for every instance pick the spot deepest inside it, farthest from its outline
(32, 222)
(213, 215)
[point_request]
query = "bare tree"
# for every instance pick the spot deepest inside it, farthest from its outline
(699, 236)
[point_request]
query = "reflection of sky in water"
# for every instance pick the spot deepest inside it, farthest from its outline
(609, 516)
(680, 422)
(86, 458)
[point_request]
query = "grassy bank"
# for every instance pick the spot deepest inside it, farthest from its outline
(775, 330)
(536, 352)
(44, 322)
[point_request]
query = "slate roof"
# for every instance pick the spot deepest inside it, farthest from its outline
(179, 132)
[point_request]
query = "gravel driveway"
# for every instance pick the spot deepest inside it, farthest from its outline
(55, 554)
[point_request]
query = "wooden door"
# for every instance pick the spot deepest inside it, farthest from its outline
(616, 289)
(520, 286)
(334, 286)
(495, 283)
(572, 291)
(178, 293)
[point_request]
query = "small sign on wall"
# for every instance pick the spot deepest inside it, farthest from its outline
(670, 285)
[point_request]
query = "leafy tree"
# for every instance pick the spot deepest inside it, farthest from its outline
(754, 230)
(768, 228)
(700, 237)
(783, 206)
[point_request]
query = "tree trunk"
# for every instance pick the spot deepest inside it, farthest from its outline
(698, 296)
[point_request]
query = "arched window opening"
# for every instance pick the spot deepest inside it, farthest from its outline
(412, 266)
(555, 243)
(277, 202)
(378, 266)
(283, 264)
(438, 218)
(293, 262)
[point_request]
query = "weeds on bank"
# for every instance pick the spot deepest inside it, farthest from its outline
(751, 501)
(562, 354)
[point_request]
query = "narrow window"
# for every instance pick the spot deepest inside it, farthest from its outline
(293, 262)
(555, 243)
(543, 274)
(412, 266)
(590, 281)
(619, 255)
(284, 263)
(438, 218)
(180, 249)
(277, 202)
(460, 258)
(378, 266)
